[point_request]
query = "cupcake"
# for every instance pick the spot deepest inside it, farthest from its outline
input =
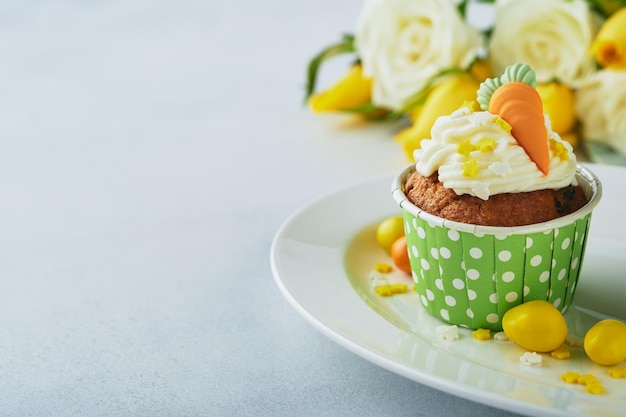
(496, 208)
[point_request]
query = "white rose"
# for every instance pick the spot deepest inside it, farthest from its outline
(552, 36)
(404, 43)
(601, 108)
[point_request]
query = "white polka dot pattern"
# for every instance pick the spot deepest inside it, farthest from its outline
(473, 279)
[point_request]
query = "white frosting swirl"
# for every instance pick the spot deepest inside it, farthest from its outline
(502, 166)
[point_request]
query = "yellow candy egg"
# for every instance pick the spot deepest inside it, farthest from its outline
(535, 325)
(605, 342)
(388, 231)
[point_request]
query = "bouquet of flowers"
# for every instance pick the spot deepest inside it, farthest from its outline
(421, 59)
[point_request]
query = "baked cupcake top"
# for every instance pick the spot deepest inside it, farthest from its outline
(505, 146)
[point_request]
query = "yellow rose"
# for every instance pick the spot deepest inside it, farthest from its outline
(445, 97)
(559, 103)
(351, 92)
(609, 47)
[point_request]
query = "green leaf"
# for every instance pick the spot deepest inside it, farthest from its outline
(369, 111)
(344, 46)
(464, 4)
(606, 8)
(462, 8)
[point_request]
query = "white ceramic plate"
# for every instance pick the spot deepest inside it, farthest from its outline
(322, 256)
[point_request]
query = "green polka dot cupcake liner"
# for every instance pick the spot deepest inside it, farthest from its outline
(471, 275)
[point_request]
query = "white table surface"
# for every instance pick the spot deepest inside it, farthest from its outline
(150, 150)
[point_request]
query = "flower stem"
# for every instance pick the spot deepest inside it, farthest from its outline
(344, 46)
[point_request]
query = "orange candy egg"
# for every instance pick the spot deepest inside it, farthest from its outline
(400, 255)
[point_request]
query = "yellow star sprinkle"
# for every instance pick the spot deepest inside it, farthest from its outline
(382, 268)
(481, 334)
(486, 145)
(559, 150)
(470, 168)
(560, 353)
(465, 147)
(383, 290)
(503, 124)
(595, 388)
(587, 379)
(570, 377)
(471, 105)
(591, 383)
(391, 289)
(617, 372)
(398, 288)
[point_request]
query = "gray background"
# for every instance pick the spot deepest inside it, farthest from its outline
(150, 151)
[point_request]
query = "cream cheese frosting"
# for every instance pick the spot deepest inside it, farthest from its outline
(475, 153)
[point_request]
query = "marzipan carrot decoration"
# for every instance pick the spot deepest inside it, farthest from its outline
(513, 97)
(520, 105)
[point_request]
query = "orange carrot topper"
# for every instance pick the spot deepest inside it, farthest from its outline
(514, 98)
(520, 105)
